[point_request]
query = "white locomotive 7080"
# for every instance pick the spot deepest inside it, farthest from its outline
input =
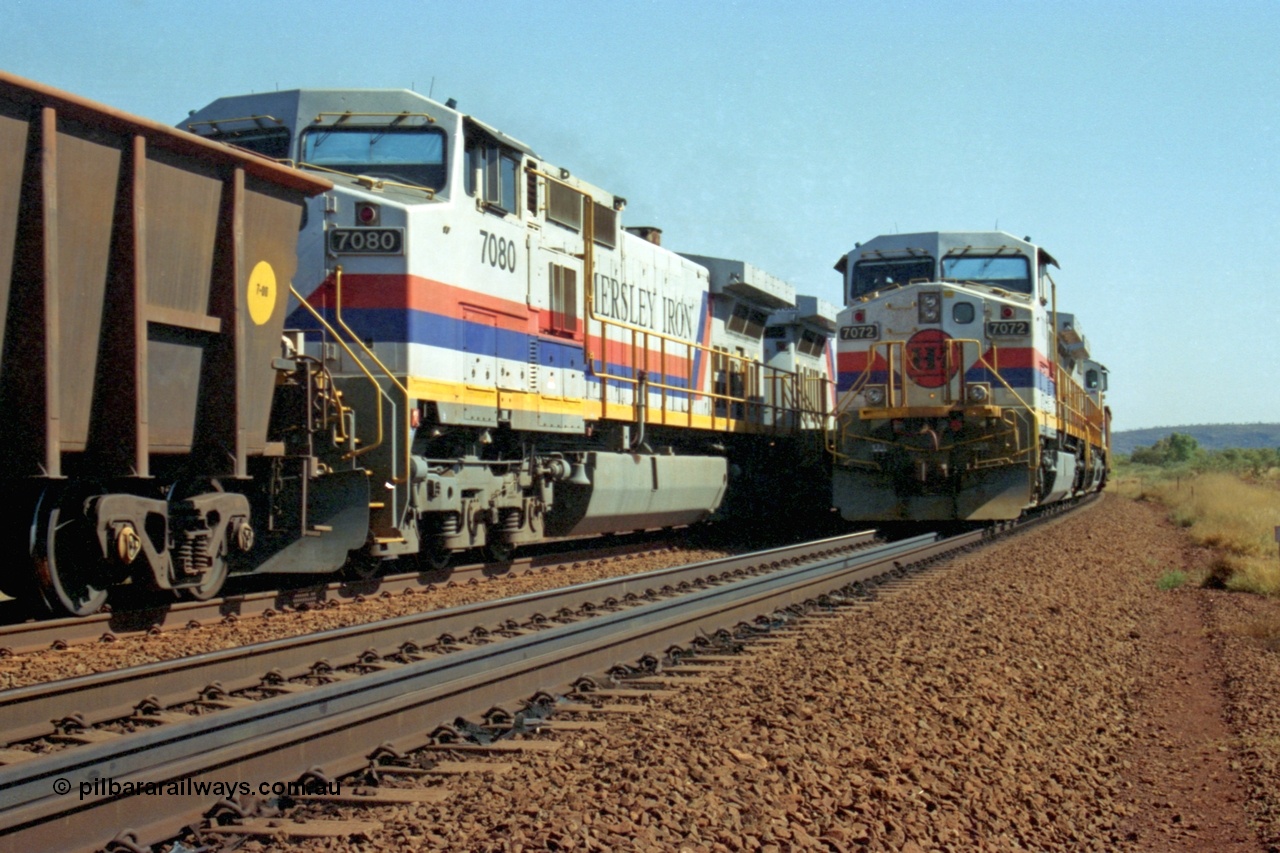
(964, 394)
(539, 369)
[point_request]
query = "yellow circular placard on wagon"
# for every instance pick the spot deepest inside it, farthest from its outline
(262, 293)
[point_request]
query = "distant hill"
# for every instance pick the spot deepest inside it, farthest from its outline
(1210, 436)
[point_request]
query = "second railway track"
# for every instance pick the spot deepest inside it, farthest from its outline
(22, 634)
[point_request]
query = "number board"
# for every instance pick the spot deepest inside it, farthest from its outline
(366, 241)
(869, 332)
(1008, 328)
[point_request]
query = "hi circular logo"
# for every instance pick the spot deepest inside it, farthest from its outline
(261, 293)
(926, 353)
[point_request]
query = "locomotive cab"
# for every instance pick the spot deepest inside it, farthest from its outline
(798, 340)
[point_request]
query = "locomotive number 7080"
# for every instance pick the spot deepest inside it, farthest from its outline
(498, 252)
(366, 241)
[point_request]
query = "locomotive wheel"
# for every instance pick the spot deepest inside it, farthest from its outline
(434, 558)
(361, 567)
(498, 550)
(439, 560)
(71, 575)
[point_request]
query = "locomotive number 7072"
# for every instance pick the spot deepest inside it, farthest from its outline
(869, 332)
(498, 252)
(1008, 328)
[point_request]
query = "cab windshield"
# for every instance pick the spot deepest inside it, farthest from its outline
(1008, 272)
(410, 155)
(872, 275)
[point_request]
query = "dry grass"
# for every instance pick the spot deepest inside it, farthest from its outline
(1264, 629)
(1224, 512)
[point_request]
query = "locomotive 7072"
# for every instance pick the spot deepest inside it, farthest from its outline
(368, 327)
(964, 393)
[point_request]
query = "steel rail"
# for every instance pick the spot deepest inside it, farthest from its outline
(21, 637)
(30, 712)
(336, 726)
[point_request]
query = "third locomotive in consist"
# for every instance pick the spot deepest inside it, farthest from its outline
(965, 393)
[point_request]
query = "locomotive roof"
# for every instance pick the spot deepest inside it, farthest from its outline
(299, 108)
(936, 244)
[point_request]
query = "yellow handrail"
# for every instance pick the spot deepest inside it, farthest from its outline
(337, 282)
(338, 339)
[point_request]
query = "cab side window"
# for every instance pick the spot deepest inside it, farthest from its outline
(493, 175)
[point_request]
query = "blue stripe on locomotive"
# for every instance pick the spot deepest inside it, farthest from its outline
(394, 325)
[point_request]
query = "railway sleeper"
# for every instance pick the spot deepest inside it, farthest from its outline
(282, 828)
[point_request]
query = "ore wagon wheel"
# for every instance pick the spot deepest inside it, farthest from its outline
(71, 575)
(215, 575)
(210, 582)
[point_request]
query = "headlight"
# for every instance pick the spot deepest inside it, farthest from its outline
(874, 395)
(979, 393)
(930, 307)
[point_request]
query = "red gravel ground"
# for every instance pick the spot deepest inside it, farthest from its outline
(1041, 695)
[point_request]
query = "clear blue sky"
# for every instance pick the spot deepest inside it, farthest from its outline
(1137, 142)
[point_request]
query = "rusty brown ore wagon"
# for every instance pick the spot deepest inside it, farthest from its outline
(153, 433)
